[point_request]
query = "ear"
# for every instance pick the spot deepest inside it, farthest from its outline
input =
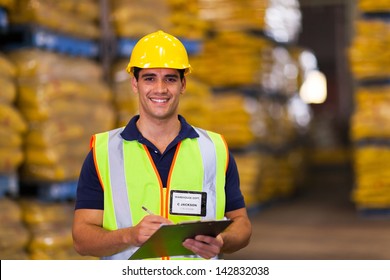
(183, 86)
(134, 84)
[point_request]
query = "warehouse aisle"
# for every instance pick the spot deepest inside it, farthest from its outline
(320, 223)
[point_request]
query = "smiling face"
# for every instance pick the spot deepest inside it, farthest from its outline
(159, 92)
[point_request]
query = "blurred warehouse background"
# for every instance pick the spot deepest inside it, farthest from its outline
(299, 89)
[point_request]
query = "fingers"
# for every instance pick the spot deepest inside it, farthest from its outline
(147, 227)
(205, 246)
(155, 219)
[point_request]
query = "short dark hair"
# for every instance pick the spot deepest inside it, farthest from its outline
(137, 69)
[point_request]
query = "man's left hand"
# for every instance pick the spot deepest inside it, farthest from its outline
(205, 246)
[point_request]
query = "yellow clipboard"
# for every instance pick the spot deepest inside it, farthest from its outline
(167, 240)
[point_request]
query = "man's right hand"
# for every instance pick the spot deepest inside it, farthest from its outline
(147, 227)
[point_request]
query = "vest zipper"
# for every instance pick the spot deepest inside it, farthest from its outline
(164, 192)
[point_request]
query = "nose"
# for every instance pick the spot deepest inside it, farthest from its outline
(161, 86)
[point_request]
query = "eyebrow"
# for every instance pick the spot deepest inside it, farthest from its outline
(154, 75)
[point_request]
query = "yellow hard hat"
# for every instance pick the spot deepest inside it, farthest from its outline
(159, 50)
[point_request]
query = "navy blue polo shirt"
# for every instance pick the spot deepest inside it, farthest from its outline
(90, 193)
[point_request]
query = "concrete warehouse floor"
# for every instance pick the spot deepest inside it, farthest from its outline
(320, 223)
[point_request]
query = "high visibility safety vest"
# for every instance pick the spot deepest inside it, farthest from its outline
(130, 179)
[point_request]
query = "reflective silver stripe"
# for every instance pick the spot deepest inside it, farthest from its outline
(118, 179)
(207, 149)
(119, 189)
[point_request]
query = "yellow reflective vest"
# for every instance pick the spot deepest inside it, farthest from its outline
(130, 179)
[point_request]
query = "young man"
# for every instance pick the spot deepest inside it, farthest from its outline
(153, 160)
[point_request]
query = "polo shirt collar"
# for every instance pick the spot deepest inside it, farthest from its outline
(131, 131)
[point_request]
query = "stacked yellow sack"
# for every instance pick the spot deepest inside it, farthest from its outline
(230, 59)
(370, 122)
(186, 21)
(12, 124)
(280, 174)
(9, 4)
(231, 117)
(14, 236)
(249, 164)
(50, 224)
(86, 9)
(373, 6)
(196, 103)
(369, 54)
(372, 182)
(73, 17)
(125, 100)
(134, 19)
(65, 101)
(335, 155)
(371, 118)
(370, 132)
(282, 159)
(11, 131)
(234, 15)
(7, 75)
(35, 63)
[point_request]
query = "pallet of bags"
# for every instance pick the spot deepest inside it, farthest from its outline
(370, 118)
(8, 4)
(50, 226)
(196, 103)
(186, 21)
(233, 118)
(12, 126)
(281, 174)
(372, 181)
(234, 15)
(228, 52)
(14, 235)
(64, 100)
(134, 19)
(373, 6)
(72, 17)
(124, 99)
(368, 54)
(249, 164)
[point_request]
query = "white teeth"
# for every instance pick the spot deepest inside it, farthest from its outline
(159, 100)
